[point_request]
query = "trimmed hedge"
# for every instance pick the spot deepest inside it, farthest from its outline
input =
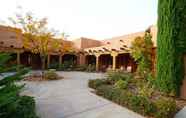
(95, 83)
(171, 44)
(158, 108)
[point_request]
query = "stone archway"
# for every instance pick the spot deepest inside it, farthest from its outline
(25, 59)
(69, 58)
(90, 59)
(54, 61)
(105, 61)
(122, 61)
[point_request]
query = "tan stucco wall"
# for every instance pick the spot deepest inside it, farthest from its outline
(10, 37)
(82, 43)
(154, 32)
(13, 37)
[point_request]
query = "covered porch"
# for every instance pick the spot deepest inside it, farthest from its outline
(113, 58)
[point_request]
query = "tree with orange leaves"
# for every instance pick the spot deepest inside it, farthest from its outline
(37, 36)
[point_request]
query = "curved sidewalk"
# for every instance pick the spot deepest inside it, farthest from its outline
(71, 98)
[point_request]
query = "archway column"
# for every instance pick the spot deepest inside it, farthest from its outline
(48, 60)
(60, 59)
(82, 59)
(97, 61)
(114, 55)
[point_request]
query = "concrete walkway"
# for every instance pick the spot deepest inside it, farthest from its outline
(71, 98)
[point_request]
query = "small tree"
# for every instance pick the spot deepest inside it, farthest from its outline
(37, 37)
(141, 52)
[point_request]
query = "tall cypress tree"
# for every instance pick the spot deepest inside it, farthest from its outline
(171, 44)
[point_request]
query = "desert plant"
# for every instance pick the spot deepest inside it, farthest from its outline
(81, 68)
(95, 83)
(145, 90)
(51, 75)
(106, 91)
(67, 65)
(91, 68)
(114, 76)
(166, 107)
(121, 84)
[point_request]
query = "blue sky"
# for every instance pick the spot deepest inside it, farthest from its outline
(97, 19)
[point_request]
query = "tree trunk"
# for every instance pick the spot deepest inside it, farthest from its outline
(43, 58)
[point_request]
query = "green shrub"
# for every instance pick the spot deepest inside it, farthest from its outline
(91, 68)
(136, 94)
(125, 97)
(51, 75)
(25, 108)
(121, 84)
(114, 76)
(54, 65)
(81, 68)
(12, 105)
(166, 107)
(141, 105)
(150, 78)
(67, 66)
(116, 93)
(105, 91)
(146, 91)
(95, 83)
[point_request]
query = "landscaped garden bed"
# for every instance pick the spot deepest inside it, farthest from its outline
(139, 95)
(50, 74)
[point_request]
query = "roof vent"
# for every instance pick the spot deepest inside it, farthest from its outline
(1, 42)
(11, 46)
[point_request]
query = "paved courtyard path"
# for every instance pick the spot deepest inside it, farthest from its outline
(71, 98)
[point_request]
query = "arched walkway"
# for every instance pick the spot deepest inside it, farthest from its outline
(125, 60)
(105, 61)
(36, 62)
(54, 61)
(69, 58)
(90, 59)
(25, 59)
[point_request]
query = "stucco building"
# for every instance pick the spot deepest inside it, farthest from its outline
(111, 53)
